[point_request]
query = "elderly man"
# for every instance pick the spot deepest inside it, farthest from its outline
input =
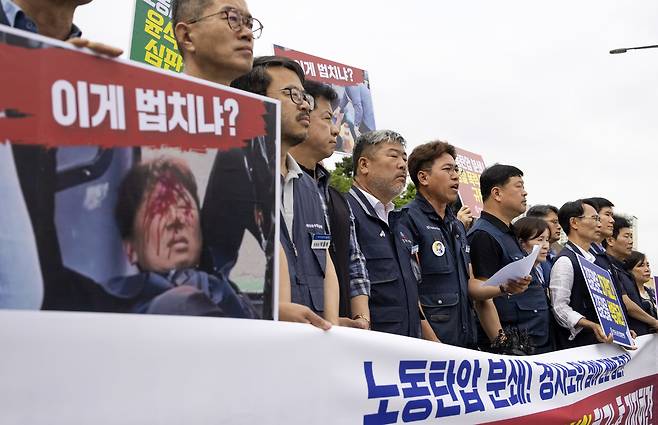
(380, 174)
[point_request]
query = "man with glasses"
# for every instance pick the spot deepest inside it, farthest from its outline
(215, 38)
(572, 303)
(345, 251)
(216, 41)
(304, 235)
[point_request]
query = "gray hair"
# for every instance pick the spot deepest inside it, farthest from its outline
(371, 139)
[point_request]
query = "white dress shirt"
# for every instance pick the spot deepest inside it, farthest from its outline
(562, 275)
(288, 201)
(381, 209)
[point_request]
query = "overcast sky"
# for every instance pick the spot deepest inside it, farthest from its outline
(526, 83)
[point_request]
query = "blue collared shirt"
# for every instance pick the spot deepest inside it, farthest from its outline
(18, 19)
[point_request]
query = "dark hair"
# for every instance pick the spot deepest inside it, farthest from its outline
(619, 223)
(495, 176)
(541, 211)
(599, 203)
(320, 90)
(368, 141)
(527, 228)
(635, 258)
(570, 210)
(258, 80)
(423, 156)
(140, 180)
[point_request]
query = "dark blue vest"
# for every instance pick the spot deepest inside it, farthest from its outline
(580, 301)
(393, 286)
(443, 291)
(305, 265)
(527, 310)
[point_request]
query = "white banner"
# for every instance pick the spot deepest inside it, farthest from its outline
(86, 368)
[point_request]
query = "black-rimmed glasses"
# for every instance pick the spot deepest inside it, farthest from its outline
(298, 97)
(236, 21)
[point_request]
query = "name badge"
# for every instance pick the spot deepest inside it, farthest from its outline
(414, 250)
(321, 241)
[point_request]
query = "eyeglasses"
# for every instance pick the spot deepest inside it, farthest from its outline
(298, 97)
(593, 217)
(236, 21)
(452, 169)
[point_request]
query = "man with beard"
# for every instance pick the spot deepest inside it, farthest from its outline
(494, 244)
(618, 247)
(380, 173)
(305, 239)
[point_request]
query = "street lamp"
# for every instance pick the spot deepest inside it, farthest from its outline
(626, 49)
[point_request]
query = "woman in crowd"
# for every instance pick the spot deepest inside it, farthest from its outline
(638, 266)
(536, 317)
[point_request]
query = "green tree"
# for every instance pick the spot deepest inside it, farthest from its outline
(405, 197)
(341, 176)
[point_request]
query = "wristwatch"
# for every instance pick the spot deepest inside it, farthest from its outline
(361, 316)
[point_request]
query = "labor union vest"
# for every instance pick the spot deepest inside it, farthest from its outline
(393, 286)
(528, 310)
(443, 258)
(580, 301)
(306, 265)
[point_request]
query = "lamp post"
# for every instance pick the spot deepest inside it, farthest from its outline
(626, 49)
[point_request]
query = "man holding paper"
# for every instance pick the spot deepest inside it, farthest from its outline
(494, 245)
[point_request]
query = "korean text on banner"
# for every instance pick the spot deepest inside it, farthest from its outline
(606, 302)
(353, 110)
(153, 41)
(111, 166)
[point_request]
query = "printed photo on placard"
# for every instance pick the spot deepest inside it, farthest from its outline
(353, 111)
(132, 189)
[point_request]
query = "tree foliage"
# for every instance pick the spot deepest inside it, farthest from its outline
(341, 180)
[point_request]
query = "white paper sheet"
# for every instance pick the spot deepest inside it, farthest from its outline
(515, 270)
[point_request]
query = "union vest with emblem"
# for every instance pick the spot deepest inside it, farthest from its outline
(393, 286)
(306, 265)
(527, 310)
(444, 261)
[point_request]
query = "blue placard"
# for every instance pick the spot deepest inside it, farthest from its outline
(606, 302)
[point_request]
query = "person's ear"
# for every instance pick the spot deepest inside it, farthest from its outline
(184, 38)
(131, 252)
(423, 177)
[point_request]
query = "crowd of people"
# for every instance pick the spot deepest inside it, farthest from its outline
(353, 259)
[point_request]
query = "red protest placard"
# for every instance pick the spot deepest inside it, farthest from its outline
(60, 97)
(323, 70)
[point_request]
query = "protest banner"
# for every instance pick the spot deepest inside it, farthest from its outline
(153, 41)
(81, 368)
(472, 166)
(606, 302)
(77, 124)
(353, 110)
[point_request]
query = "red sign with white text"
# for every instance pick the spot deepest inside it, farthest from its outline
(323, 70)
(59, 97)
